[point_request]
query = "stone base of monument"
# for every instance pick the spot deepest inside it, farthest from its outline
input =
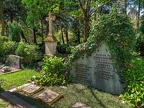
(49, 97)
(31, 89)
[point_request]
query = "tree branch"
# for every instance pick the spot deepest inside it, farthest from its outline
(81, 6)
(100, 7)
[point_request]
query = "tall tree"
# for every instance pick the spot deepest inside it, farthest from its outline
(2, 18)
(86, 11)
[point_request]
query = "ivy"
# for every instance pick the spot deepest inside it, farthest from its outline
(117, 32)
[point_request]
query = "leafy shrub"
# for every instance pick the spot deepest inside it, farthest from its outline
(29, 53)
(2, 51)
(134, 93)
(55, 72)
(64, 49)
(1, 48)
(140, 45)
(10, 47)
(14, 31)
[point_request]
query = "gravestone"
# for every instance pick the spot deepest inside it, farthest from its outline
(97, 71)
(50, 40)
(31, 89)
(13, 61)
(49, 96)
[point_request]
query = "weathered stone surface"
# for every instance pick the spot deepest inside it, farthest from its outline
(16, 100)
(49, 96)
(13, 61)
(80, 105)
(31, 89)
(97, 71)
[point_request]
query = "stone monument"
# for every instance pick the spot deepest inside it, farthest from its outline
(97, 71)
(50, 40)
(13, 61)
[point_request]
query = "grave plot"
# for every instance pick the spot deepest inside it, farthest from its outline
(49, 96)
(31, 89)
(12, 64)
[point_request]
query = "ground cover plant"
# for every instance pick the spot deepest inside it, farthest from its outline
(134, 93)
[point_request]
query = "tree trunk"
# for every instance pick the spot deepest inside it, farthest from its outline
(66, 34)
(42, 30)
(125, 4)
(85, 29)
(138, 16)
(23, 36)
(78, 35)
(34, 35)
(62, 35)
(2, 20)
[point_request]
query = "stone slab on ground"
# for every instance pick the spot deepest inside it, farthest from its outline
(80, 105)
(16, 100)
(49, 96)
(31, 89)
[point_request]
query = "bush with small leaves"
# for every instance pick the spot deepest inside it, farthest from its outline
(30, 53)
(54, 72)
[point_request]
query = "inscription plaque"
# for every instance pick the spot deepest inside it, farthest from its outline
(49, 96)
(97, 71)
(31, 89)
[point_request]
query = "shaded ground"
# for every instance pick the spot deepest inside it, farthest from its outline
(5, 104)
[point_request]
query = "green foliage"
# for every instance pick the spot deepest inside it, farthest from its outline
(55, 72)
(1, 47)
(140, 44)
(135, 78)
(14, 31)
(64, 49)
(10, 47)
(2, 50)
(29, 53)
(140, 39)
(118, 33)
(39, 8)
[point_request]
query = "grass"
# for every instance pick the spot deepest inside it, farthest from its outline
(16, 79)
(3, 104)
(74, 93)
(79, 93)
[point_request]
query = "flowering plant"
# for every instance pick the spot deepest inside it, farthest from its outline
(54, 72)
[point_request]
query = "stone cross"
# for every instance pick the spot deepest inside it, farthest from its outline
(50, 19)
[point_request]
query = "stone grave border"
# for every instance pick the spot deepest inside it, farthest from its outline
(54, 100)
(11, 72)
(30, 94)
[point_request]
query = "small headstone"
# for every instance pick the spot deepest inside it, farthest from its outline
(80, 105)
(31, 89)
(49, 96)
(13, 61)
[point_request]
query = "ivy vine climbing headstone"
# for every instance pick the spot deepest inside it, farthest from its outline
(103, 59)
(97, 71)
